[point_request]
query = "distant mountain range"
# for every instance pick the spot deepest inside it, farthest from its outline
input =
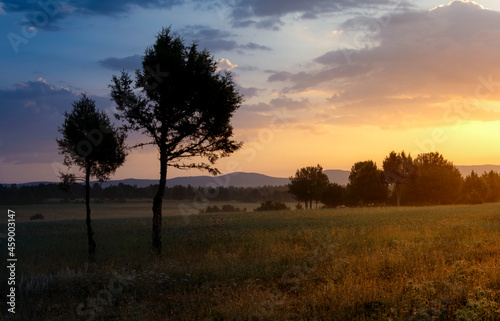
(237, 179)
(241, 179)
(479, 169)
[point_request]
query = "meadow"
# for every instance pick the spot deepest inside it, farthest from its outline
(387, 263)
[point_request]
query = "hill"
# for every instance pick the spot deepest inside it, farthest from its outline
(242, 179)
(479, 169)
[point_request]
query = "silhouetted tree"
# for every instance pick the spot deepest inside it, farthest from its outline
(492, 179)
(308, 185)
(90, 142)
(333, 195)
(367, 183)
(183, 105)
(475, 190)
(397, 169)
(435, 181)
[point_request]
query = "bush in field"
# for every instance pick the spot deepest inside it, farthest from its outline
(37, 216)
(228, 208)
(272, 206)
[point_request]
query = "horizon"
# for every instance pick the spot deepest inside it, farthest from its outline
(331, 83)
(223, 174)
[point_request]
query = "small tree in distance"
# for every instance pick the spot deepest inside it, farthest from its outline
(397, 169)
(475, 189)
(333, 195)
(90, 142)
(435, 181)
(184, 107)
(366, 183)
(308, 185)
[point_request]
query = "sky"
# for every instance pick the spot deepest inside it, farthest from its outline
(329, 82)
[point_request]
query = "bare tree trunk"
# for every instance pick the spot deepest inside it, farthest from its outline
(157, 205)
(90, 233)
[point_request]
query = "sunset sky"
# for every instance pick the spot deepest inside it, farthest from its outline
(328, 82)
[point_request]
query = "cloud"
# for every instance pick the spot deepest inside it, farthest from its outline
(248, 92)
(56, 10)
(417, 66)
(130, 63)
(254, 46)
(2, 10)
(278, 75)
(30, 115)
(266, 14)
(95, 7)
(280, 103)
(217, 40)
(225, 64)
(247, 68)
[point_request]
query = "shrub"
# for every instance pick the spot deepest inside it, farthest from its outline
(228, 208)
(272, 206)
(37, 216)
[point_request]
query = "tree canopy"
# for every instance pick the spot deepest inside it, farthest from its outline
(435, 181)
(308, 184)
(366, 183)
(183, 105)
(90, 142)
(397, 169)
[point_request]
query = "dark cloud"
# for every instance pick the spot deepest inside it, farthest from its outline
(290, 103)
(130, 63)
(111, 7)
(266, 14)
(278, 75)
(45, 14)
(217, 40)
(247, 68)
(254, 46)
(210, 38)
(279, 103)
(248, 92)
(30, 115)
(417, 65)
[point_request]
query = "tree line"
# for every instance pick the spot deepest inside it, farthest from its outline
(42, 193)
(428, 179)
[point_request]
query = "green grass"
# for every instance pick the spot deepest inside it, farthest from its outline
(409, 263)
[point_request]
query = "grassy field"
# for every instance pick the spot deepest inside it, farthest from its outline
(409, 263)
(130, 209)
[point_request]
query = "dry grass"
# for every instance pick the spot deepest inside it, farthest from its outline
(425, 263)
